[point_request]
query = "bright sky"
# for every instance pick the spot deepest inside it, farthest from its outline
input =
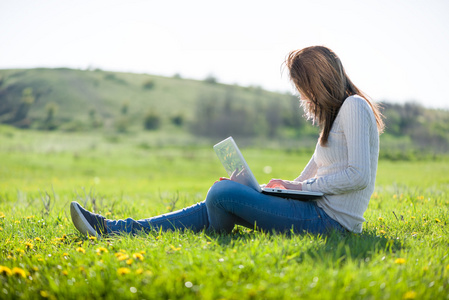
(395, 50)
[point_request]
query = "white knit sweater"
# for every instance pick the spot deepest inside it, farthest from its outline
(345, 169)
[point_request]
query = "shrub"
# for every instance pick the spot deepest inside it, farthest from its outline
(122, 124)
(149, 84)
(177, 119)
(210, 79)
(151, 120)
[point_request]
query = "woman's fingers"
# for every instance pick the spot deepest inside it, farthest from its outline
(285, 184)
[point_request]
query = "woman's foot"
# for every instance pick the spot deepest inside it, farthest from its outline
(87, 222)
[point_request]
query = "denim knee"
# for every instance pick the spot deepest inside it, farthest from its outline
(217, 190)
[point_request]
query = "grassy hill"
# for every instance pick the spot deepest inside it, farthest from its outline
(78, 92)
(81, 100)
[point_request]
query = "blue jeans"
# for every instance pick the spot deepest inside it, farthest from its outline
(228, 204)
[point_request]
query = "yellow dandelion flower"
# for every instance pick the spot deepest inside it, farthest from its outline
(122, 250)
(395, 196)
(65, 254)
(5, 271)
(412, 217)
(139, 271)
(81, 269)
(123, 271)
(18, 272)
(175, 248)
(414, 233)
(92, 238)
(81, 250)
(44, 294)
(29, 245)
(381, 219)
(138, 256)
(101, 250)
(121, 256)
(400, 261)
(437, 220)
(142, 252)
(29, 217)
(65, 273)
(18, 250)
(38, 239)
(107, 214)
(2, 215)
(382, 232)
(129, 261)
(409, 295)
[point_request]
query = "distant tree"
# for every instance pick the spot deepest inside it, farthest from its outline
(122, 124)
(94, 120)
(177, 119)
(49, 122)
(20, 118)
(151, 120)
(223, 116)
(125, 107)
(211, 79)
(109, 76)
(148, 84)
(273, 117)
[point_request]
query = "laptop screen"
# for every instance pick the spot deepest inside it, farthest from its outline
(234, 163)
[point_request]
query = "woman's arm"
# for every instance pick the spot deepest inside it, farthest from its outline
(308, 172)
(357, 121)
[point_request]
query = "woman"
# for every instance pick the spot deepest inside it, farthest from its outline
(343, 167)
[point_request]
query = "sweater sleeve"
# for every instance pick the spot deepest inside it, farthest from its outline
(309, 171)
(356, 120)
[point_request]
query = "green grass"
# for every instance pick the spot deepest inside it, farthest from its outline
(402, 253)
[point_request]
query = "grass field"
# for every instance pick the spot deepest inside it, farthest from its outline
(402, 253)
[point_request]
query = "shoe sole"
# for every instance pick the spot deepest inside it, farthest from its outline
(80, 221)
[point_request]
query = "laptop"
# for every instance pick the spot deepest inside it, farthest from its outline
(235, 165)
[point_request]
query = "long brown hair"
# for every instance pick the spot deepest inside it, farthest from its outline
(318, 74)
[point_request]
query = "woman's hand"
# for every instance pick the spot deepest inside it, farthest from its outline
(284, 184)
(221, 178)
(239, 176)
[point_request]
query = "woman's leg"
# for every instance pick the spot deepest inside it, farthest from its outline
(194, 217)
(229, 203)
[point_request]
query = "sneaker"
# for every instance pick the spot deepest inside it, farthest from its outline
(87, 222)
